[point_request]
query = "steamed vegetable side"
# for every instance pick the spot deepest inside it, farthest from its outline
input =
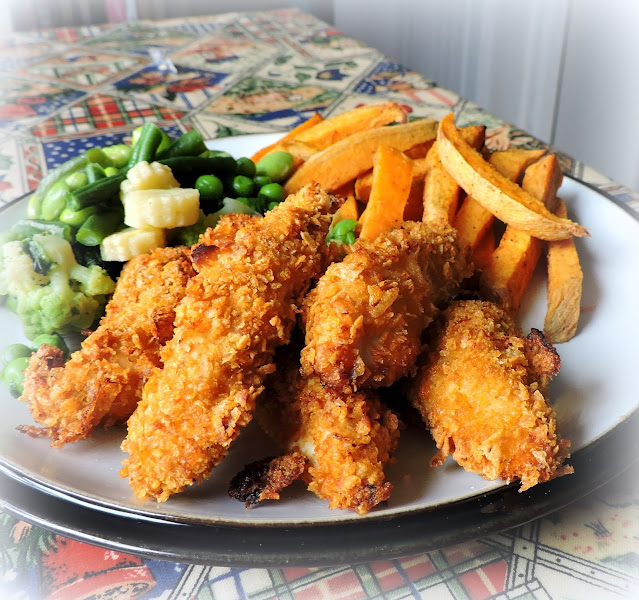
(94, 212)
(48, 289)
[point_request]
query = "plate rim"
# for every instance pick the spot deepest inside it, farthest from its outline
(25, 482)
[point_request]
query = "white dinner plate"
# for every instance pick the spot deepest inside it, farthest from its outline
(593, 395)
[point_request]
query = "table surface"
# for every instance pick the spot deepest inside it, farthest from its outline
(67, 89)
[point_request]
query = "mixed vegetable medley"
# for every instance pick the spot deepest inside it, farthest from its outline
(58, 266)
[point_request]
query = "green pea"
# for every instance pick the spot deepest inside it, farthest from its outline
(343, 227)
(261, 180)
(13, 351)
(272, 192)
(211, 191)
(252, 202)
(276, 165)
(343, 232)
(272, 205)
(13, 375)
(50, 339)
(246, 167)
(243, 186)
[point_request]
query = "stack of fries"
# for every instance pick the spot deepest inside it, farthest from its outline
(503, 204)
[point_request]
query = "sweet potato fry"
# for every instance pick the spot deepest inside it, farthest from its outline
(441, 192)
(392, 176)
(316, 118)
(565, 280)
(510, 268)
(473, 220)
(300, 150)
(414, 205)
(504, 198)
(348, 159)
(338, 127)
(483, 251)
(349, 209)
(364, 183)
(511, 163)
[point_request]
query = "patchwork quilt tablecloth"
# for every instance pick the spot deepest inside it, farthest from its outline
(65, 90)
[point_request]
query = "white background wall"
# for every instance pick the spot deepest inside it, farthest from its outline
(564, 70)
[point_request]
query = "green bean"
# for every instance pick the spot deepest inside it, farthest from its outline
(102, 192)
(187, 169)
(94, 172)
(146, 147)
(27, 227)
(98, 226)
(276, 165)
(189, 144)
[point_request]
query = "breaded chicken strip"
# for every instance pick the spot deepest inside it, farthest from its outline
(345, 439)
(365, 317)
(102, 382)
(241, 305)
(481, 393)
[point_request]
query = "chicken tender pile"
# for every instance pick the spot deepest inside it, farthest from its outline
(252, 276)
(481, 393)
(188, 351)
(102, 382)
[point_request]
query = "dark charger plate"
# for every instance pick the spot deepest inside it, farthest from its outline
(321, 545)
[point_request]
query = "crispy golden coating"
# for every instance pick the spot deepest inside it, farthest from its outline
(242, 304)
(347, 438)
(102, 382)
(365, 317)
(481, 393)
